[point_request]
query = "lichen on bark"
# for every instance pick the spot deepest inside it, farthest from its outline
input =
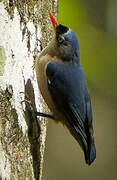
(35, 11)
(2, 60)
(15, 145)
(22, 151)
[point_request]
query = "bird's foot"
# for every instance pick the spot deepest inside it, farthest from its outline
(30, 105)
(44, 115)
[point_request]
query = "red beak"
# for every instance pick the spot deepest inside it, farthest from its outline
(54, 21)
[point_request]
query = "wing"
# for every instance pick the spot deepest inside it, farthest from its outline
(67, 87)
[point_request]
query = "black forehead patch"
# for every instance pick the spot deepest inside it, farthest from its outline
(60, 29)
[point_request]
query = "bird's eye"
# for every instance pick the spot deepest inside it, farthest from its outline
(60, 39)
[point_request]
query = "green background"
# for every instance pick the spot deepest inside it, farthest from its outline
(95, 23)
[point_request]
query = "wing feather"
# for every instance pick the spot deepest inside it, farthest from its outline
(68, 90)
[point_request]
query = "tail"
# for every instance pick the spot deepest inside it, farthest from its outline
(82, 131)
(89, 147)
(90, 154)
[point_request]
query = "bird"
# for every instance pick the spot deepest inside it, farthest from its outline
(61, 81)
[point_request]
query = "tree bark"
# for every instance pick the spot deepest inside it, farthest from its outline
(25, 29)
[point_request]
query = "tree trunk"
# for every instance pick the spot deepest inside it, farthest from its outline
(25, 29)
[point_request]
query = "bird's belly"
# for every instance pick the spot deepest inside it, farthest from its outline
(40, 68)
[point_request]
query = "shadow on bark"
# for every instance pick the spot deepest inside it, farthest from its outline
(33, 128)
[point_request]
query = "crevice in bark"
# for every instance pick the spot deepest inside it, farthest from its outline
(14, 144)
(33, 127)
(22, 134)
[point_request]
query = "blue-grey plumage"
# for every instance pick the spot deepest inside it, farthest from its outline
(69, 92)
(62, 83)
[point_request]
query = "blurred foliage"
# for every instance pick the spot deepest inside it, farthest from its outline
(95, 24)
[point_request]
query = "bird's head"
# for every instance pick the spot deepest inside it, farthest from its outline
(66, 41)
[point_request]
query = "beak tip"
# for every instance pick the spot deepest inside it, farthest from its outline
(53, 20)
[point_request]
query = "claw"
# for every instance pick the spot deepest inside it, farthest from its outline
(36, 112)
